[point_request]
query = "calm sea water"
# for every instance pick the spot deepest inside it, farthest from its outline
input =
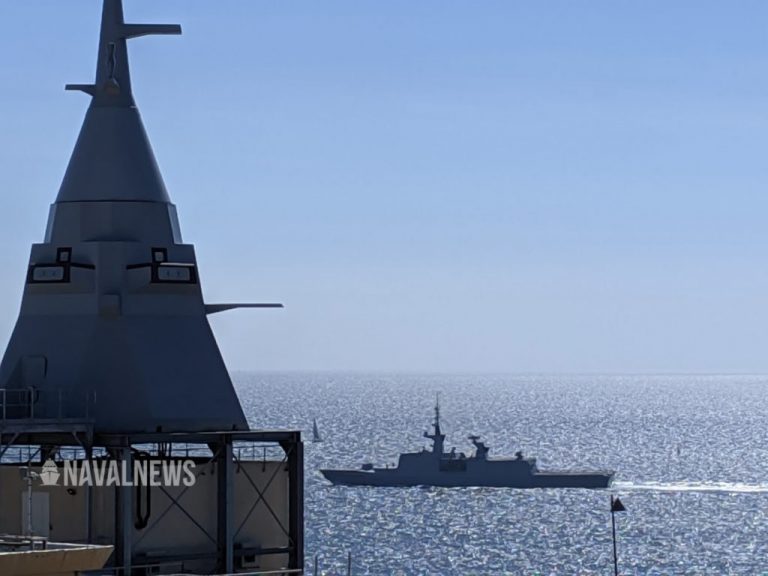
(691, 454)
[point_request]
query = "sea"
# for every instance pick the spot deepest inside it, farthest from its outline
(690, 454)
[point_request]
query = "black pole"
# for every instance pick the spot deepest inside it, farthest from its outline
(613, 530)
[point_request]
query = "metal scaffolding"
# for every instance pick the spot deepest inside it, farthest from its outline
(35, 439)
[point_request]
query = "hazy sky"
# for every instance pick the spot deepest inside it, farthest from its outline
(433, 185)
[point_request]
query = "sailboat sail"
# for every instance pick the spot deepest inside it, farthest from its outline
(315, 432)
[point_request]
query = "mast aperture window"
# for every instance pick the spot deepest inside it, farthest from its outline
(41, 273)
(182, 273)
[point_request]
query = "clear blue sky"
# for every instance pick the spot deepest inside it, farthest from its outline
(433, 185)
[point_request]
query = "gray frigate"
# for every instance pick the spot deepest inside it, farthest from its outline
(439, 468)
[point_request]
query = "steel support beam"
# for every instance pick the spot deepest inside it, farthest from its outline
(225, 499)
(88, 501)
(124, 516)
(295, 452)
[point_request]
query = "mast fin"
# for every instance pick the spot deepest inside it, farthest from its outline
(215, 308)
(89, 89)
(128, 31)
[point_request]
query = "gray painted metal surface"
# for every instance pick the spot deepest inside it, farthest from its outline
(437, 468)
(112, 304)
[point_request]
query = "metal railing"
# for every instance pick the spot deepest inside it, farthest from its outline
(178, 567)
(51, 404)
(12, 542)
(316, 571)
(258, 452)
(243, 451)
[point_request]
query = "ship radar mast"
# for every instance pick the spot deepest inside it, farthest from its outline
(438, 437)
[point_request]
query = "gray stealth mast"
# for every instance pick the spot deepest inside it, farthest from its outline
(113, 159)
(112, 305)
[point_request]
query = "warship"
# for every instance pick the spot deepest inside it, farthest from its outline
(439, 468)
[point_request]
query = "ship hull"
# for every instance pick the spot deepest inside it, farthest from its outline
(392, 477)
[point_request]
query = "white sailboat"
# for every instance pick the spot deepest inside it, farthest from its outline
(315, 432)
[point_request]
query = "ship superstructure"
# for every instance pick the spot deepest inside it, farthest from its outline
(112, 311)
(112, 361)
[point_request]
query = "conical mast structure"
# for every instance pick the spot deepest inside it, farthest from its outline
(113, 159)
(112, 318)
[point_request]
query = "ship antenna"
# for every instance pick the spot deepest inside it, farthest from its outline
(437, 413)
(113, 79)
